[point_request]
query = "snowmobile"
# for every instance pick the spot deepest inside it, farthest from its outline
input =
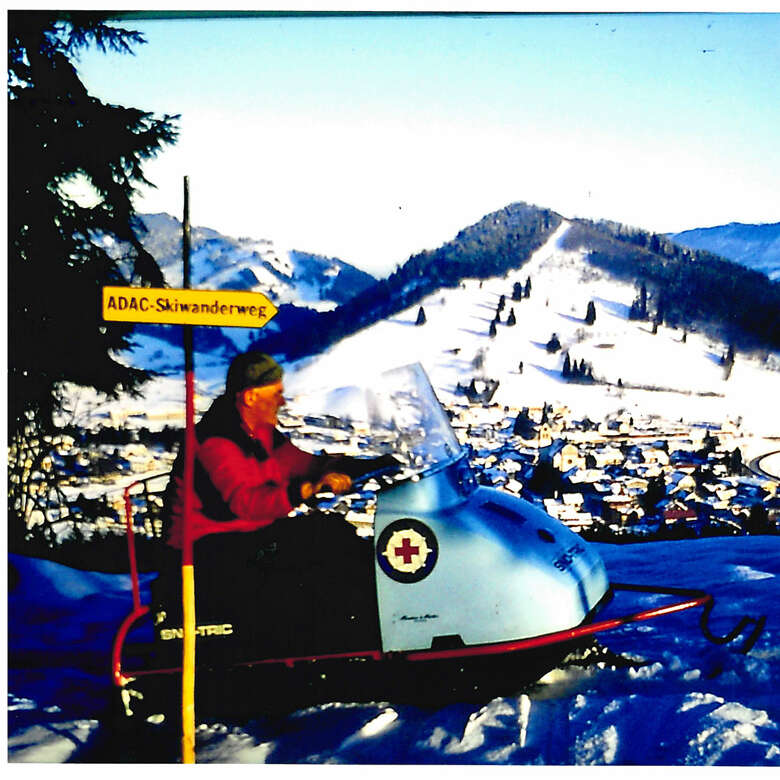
(472, 591)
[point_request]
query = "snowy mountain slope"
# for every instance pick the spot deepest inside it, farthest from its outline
(688, 376)
(222, 262)
(755, 246)
(679, 701)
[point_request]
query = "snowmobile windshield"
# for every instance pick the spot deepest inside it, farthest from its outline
(396, 413)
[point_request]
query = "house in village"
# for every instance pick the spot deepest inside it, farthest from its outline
(513, 486)
(621, 508)
(678, 513)
(616, 426)
(568, 509)
(655, 455)
(589, 476)
(564, 456)
(605, 455)
(681, 481)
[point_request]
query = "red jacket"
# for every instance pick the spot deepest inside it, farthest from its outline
(243, 480)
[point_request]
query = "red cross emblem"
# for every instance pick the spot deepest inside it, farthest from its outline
(406, 550)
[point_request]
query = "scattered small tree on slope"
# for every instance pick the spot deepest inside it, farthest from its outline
(553, 345)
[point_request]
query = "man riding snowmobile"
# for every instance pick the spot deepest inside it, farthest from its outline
(265, 580)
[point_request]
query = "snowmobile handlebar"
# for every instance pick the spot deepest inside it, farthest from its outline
(386, 466)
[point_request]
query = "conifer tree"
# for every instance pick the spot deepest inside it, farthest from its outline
(590, 316)
(501, 303)
(58, 134)
(553, 345)
(59, 137)
(735, 461)
(638, 309)
(527, 288)
(511, 319)
(523, 424)
(493, 330)
(757, 521)
(566, 370)
(517, 291)
(421, 319)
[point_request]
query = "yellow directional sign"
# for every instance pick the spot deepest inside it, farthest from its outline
(228, 308)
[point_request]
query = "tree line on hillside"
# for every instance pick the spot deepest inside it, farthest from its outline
(497, 243)
(682, 286)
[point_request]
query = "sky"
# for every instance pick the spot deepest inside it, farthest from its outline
(373, 138)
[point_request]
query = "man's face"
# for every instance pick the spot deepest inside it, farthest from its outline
(263, 403)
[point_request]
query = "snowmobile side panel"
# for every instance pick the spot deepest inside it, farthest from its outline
(488, 567)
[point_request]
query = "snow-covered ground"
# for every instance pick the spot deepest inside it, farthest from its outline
(683, 701)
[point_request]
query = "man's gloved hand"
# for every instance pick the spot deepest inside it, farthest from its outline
(337, 482)
(357, 467)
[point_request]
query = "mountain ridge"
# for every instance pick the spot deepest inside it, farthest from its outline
(224, 262)
(755, 245)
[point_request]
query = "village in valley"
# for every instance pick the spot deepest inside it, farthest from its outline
(619, 479)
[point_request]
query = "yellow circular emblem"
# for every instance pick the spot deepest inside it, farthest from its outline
(406, 551)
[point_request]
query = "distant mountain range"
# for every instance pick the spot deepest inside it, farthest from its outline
(754, 246)
(223, 262)
(516, 330)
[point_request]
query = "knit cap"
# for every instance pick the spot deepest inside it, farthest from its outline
(251, 369)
